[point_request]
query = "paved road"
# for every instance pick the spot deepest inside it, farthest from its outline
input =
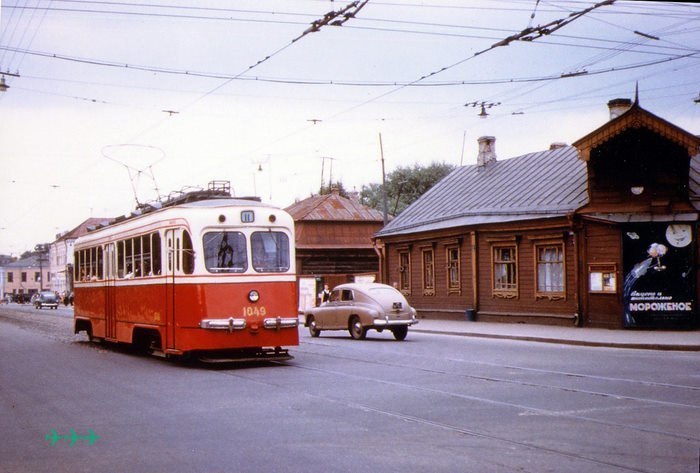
(433, 403)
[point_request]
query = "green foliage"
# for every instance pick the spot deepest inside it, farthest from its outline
(404, 185)
(324, 190)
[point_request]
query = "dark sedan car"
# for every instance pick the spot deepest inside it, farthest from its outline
(358, 307)
(46, 299)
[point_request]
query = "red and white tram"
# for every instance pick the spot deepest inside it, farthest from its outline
(206, 274)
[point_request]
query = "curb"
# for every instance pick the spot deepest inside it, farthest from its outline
(561, 341)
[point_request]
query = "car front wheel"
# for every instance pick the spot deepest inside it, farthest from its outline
(313, 328)
(357, 331)
(400, 332)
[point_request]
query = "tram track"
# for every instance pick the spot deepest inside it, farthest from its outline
(431, 423)
(523, 407)
(530, 383)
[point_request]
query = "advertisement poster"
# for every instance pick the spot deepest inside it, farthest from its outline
(659, 281)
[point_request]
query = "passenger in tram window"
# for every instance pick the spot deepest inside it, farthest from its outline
(129, 272)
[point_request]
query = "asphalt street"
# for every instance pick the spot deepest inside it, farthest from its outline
(435, 402)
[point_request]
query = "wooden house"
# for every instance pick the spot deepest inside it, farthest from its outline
(333, 241)
(603, 233)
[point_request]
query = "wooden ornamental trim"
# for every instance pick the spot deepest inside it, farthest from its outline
(404, 272)
(428, 271)
(636, 117)
(453, 269)
(504, 270)
(554, 271)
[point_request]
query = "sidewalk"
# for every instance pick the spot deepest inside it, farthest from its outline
(593, 337)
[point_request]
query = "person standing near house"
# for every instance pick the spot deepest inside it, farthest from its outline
(325, 295)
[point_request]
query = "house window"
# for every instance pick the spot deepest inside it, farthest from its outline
(453, 269)
(505, 271)
(550, 269)
(428, 272)
(405, 272)
(24, 276)
(10, 277)
(37, 276)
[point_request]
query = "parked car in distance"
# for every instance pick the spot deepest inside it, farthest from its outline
(358, 307)
(46, 299)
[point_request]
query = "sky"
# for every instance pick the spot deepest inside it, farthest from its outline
(115, 103)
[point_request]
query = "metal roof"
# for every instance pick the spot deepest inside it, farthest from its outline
(333, 207)
(545, 184)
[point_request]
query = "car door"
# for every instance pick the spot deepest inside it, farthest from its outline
(345, 308)
(325, 314)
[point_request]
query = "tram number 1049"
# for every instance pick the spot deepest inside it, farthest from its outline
(251, 311)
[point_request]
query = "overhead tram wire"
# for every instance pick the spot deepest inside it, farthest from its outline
(528, 34)
(347, 12)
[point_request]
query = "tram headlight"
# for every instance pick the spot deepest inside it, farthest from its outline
(253, 296)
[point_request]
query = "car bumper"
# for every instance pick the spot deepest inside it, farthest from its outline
(386, 322)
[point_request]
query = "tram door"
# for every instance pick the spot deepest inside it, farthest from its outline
(173, 250)
(110, 269)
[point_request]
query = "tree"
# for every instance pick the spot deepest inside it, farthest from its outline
(335, 185)
(404, 185)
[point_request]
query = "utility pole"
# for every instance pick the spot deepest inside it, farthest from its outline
(384, 196)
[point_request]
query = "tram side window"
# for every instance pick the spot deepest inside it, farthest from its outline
(129, 258)
(187, 253)
(120, 258)
(270, 252)
(155, 254)
(100, 263)
(225, 252)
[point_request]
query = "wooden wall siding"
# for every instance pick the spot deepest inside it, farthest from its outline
(345, 261)
(443, 303)
(601, 245)
(526, 305)
(337, 234)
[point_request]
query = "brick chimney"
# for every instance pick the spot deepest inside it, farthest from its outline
(487, 150)
(618, 106)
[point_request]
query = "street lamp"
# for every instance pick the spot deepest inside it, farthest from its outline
(3, 84)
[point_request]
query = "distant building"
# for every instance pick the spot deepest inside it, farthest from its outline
(333, 241)
(603, 233)
(60, 255)
(25, 277)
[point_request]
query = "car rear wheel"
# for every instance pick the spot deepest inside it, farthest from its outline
(357, 331)
(313, 328)
(400, 332)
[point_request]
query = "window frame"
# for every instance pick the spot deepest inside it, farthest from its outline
(552, 294)
(453, 267)
(404, 257)
(428, 271)
(505, 292)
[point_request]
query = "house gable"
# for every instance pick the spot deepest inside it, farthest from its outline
(639, 162)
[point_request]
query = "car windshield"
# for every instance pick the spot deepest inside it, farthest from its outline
(225, 252)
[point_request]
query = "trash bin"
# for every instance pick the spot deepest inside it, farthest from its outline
(470, 315)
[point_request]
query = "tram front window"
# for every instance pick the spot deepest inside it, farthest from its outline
(225, 252)
(270, 252)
